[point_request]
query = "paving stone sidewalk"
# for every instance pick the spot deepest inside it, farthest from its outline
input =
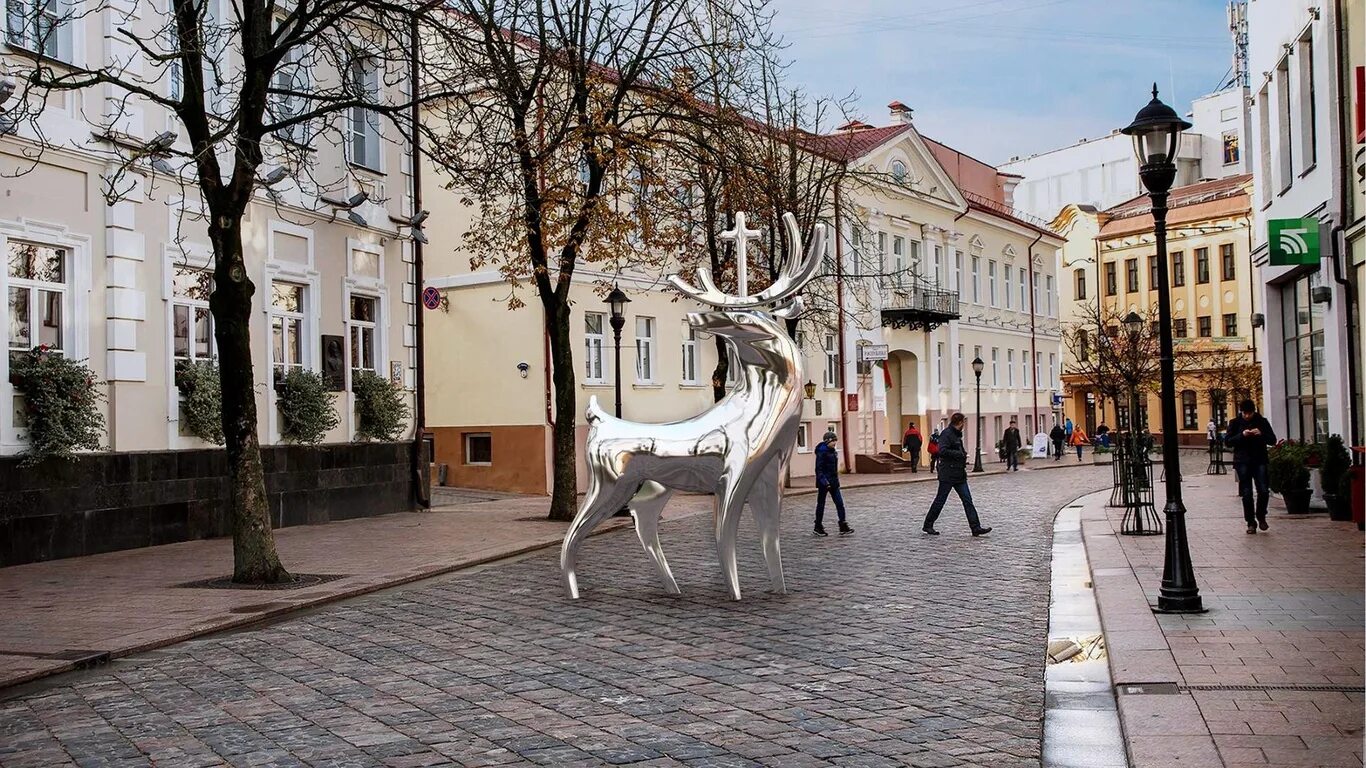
(891, 649)
(1272, 673)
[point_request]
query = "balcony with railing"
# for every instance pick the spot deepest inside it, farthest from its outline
(911, 301)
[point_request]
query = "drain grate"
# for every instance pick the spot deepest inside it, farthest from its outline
(1148, 689)
(1275, 687)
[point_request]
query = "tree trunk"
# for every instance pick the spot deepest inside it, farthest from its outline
(718, 376)
(253, 543)
(564, 498)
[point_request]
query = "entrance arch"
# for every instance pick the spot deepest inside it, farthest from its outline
(904, 402)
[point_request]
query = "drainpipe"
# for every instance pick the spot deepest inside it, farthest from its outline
(424, 496)
(1100, 322)
(839, 325)
(1353, 410)
(1252, 291)
(1033, 350)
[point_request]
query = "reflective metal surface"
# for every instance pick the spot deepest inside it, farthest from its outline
(737, 450)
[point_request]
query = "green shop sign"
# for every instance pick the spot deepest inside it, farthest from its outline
(1293, 241)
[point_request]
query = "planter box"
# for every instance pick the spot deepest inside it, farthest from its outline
(1297, 502)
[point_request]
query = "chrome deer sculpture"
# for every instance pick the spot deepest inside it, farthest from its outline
(736, 450)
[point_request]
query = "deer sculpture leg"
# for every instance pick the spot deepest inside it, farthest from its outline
(765, 502)
(604, 498)
(646, 507)
(736, 483)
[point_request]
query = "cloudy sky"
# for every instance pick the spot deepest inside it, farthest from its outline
(998, 78)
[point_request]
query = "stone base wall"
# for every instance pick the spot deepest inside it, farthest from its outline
(111, 501)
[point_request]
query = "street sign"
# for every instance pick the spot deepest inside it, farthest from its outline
(431, 297)
(851, 402)
(1057, 400)
(1293, 241)
(873, 352)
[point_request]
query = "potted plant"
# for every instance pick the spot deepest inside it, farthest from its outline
(201, 411)
(1103, 454)
(381, 413)
(1288, 474)
(61, 404)
(1334, 468)
(305, 404)
(1022, 453)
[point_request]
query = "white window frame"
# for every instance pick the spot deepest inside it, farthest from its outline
(75, 308)
(962, 360)
(466, 440)
(898, 253)
(364, 123)
(1024, 290)
(303, 274)
(182, 256)
(594, 347)
(914, 252)
(991, 281)
(66, 41)
(804, 437)
(1010, 368)
(938, 266)
(939, 364)
(292, 74)
(1048, 294)
(976, 279)
(1024, 368)
(645, 350)
(995, 367)
(690, 358)
(1009, 273)
(832, 361)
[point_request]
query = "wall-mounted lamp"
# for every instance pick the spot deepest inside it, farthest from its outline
(1321, 295)
(810, 390)
(1258, 319)
(523, 368)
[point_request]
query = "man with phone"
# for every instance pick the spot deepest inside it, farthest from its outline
(1248, 434)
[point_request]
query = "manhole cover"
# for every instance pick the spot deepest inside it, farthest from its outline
(301, 580)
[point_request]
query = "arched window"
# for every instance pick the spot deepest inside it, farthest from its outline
(1190, 419)
(1218, 407)
(898, 170)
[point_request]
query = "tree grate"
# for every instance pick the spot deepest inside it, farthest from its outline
(1275, 687)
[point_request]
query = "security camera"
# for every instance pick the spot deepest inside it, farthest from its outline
(523, 368)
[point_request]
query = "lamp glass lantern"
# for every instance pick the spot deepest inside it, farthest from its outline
(810, 388)
(978, 366)
(1156, 131)
(618, 300)
(1133, 323)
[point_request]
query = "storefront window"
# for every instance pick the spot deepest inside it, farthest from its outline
(1306, 383)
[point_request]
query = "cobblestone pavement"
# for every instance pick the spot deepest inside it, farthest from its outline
(891, 649)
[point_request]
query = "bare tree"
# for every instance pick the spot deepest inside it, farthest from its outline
(253, 86)
(1120, 362)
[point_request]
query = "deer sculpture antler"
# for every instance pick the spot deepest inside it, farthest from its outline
(794, 275)
(736, 450)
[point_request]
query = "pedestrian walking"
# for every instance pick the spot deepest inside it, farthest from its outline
(1079, 439)
(828, 483)
(953, 476)
(1057, 435)
(912, 442)
(933, 450)
(1248, 434)
(1013, 444)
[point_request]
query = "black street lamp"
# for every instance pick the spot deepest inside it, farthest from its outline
(977, 366)
(1156, 131)
(618, 300)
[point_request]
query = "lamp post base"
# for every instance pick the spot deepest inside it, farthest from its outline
(1179, 592)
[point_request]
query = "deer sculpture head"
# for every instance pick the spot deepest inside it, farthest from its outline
(735, 450)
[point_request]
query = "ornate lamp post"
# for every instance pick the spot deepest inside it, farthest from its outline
(618, 300)
(977, 366)
(1156, 131)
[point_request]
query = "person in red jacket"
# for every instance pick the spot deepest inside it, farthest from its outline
(912, 442)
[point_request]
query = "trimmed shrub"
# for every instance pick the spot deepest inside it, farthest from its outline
(306, 412)
(61, 404)
(380, 411)
(202, 411)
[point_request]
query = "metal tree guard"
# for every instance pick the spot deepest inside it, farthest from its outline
(1140, 518)
(1216, 457)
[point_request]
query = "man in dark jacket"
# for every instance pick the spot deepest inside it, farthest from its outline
(912, 441)
(1012, 446)
(1248, 434)
(828, 483)
(953, 476)
(1057, 436)
(934, 450)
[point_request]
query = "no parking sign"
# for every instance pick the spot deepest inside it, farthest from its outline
(431, 297)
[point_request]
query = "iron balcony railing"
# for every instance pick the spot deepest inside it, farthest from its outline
(911, 300)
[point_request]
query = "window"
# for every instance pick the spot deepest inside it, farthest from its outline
(1306, 96)
(1230, 147)
(1038, 368)
(364, 144)
(593, 344)
(1110, 287)
(1034, 308)
(855, 250)
(995, 367)
(915, 256)
(364, 315)
(1190, 419)
(958, 271)
(898, 170)
(287, 326)
(1007, 272)
(1153, 281)
(1306, 372)
(645, 350)
(881, 253)
(1178, 268)
(804, 437)
(690, 354)
(991, 282)
(1201, 266)
(1284, 167)
(38, 309)
(290, 75)
(1179, 327)
(1218, 407)
(39, 26)
(1024, 368)
(939, 364)
(1081, 282)
(1131, 275)
(898, 253)
(1024, 286)
(1204, 327)
(961, 360)
(1053, 369)
(1227, 269)
(1010, 367)
(478, 448)
(732, 366)
(1264, 188)
(1231, 324)
(1122, 416)
(191, 323)
(832, 361)
(833, 426)
(939, 266)
(1048, 293)
(977, 279)
(1083, 344)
